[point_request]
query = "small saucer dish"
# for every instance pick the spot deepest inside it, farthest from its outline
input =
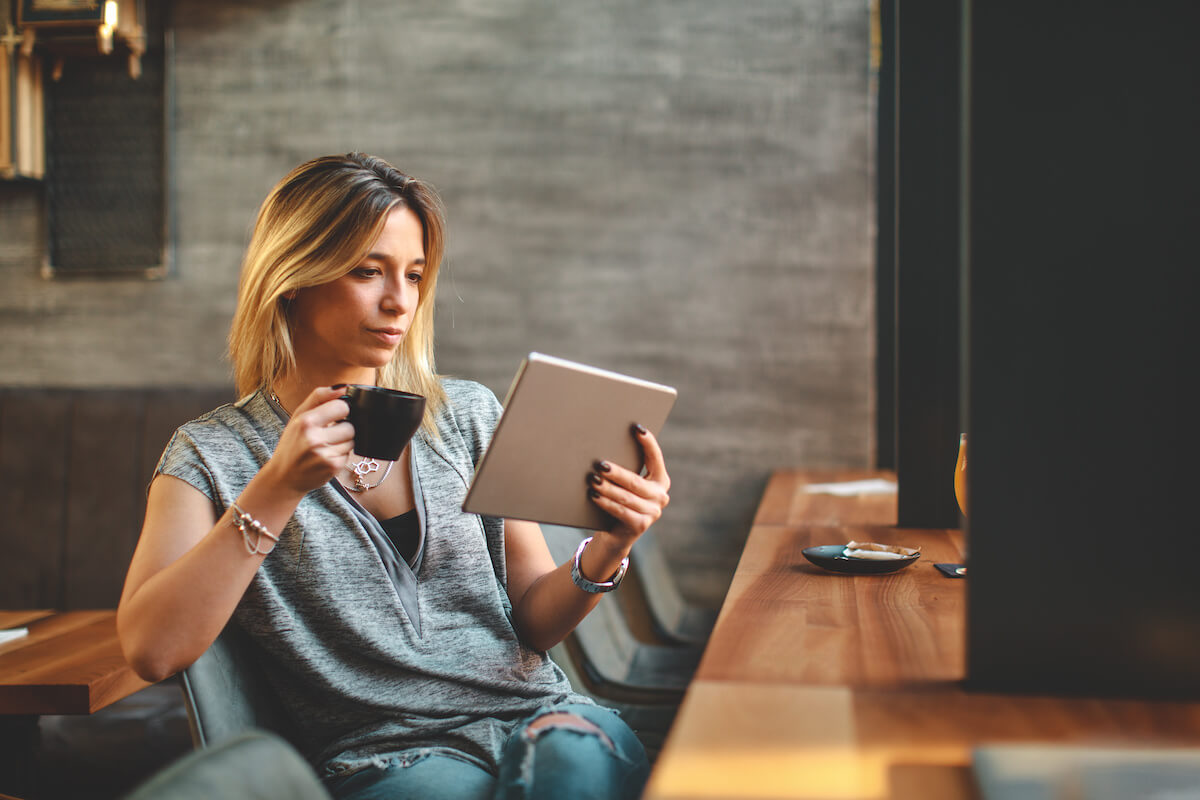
(830, 557)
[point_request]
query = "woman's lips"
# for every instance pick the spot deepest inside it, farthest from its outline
(389, 336)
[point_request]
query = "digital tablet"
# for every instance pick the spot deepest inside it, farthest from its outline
(559, 418)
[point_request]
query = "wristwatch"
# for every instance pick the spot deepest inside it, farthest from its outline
(593, 587)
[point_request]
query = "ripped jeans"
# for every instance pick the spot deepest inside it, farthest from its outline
(552, 761)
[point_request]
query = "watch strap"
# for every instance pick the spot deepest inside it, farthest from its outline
(590, 586)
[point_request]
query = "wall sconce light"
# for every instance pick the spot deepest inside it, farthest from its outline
(71, 28)
(104, 33)
(22, 114)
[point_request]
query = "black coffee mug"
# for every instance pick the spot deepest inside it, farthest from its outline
(383, 419)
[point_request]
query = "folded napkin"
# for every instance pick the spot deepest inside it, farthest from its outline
(851, 488)
(8, 634)
(878, 552)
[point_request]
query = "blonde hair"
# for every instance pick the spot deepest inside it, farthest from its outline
(315, 226)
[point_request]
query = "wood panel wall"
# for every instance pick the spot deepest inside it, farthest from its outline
(74, 466)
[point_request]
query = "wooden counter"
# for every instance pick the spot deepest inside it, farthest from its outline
(821, 685)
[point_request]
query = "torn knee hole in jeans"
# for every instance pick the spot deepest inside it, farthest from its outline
(558, 720)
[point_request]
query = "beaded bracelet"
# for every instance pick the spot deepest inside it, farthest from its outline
(246, 525)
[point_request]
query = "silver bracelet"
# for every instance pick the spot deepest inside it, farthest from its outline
(248, 525)
(592, 587)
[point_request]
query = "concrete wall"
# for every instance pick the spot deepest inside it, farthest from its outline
(678, 190)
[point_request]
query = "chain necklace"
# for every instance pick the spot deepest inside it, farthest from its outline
(361, 470)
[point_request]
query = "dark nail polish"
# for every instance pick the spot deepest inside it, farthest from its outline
(339, 386)
(639, 430)
(593, 493)
(594, 478)
(603, 466)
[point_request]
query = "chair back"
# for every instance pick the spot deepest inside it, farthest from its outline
(612, 658)
(674, 618)
(226, 693)
(253, 765)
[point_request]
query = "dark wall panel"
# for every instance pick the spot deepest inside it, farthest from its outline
(74, 466)
(103, 506)
(35, 428)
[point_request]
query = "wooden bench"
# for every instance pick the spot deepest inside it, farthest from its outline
(74, 466)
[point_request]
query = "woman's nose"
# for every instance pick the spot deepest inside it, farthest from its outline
(396, 296)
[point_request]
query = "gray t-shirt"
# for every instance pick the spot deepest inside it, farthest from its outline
(355, 675)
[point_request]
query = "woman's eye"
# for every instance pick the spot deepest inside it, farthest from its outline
(415, 277)
(367, 272)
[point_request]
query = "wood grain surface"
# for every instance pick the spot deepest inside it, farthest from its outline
(17, 619)
(787, 500)
(788, 620)
(69, 663)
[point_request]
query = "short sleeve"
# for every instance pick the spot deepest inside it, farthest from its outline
(182, 459)
(475, 412)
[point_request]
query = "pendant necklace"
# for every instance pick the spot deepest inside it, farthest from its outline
(364, 468)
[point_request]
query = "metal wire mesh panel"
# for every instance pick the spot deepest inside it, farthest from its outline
(106, 176)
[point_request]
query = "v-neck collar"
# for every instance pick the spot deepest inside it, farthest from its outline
(402, 573)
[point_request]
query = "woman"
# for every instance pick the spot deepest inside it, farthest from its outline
(405, 637)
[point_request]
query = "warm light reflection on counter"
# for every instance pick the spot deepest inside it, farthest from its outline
(774, 774)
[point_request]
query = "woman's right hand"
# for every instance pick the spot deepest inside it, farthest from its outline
(316, 442)
(191, 568)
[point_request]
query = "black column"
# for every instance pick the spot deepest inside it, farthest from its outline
(927, 260)
(885, 239)
(1083, 244)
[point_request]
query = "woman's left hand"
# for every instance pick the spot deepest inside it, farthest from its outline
(634, 501)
